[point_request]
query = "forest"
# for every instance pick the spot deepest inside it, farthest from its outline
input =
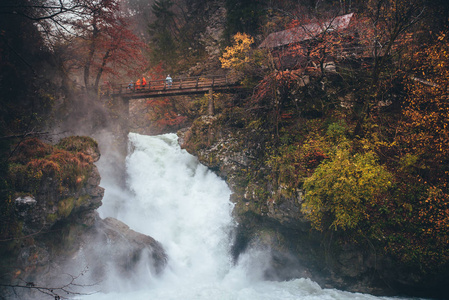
(354, 116)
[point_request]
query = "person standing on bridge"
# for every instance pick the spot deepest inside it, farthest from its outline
(144, 82)
(138, 84)
(168, 81)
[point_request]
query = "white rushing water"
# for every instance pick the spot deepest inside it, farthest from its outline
(184, 206)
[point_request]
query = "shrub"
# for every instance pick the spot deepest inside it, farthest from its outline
(340, 189)
(82, 144)
(28, 149)
(35, 163)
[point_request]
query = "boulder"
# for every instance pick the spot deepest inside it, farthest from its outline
(111, 241)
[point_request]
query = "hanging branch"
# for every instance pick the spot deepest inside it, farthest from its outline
(57, 292)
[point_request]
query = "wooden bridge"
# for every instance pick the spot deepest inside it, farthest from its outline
(178, 86)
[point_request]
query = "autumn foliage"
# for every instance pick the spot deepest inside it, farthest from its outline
(427, 106)
(163, 113)
(36, 162)
(407, 212)
(357, 119)
(422, 144)
(104, 47)
(238, 54)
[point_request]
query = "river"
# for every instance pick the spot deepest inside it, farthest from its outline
(186, 207)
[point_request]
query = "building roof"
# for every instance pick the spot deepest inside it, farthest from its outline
(304, 32)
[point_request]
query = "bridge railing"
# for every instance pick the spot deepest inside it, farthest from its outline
(176, 83)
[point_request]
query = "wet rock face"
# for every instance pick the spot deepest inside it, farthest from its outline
(91, 254)
(54, 183)
(48, 207)
(111, 242)
(56, 227)
(271, 218)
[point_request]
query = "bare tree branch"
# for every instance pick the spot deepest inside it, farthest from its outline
(58, 292)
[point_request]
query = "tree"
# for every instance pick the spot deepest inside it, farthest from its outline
(406, 215)
(52, 10)
(244, 16)
(177, 33)
(70, 288)
(26, 86)
(139, 11)
(30, 31)
(243, 60)
(165, 32)
(340, 189)
(426, 108)
(367, 53)
(107, 44)
(272, 92)
(237, 56)
(96, 34)
(166, 114)
(422, 139)
(383, 28)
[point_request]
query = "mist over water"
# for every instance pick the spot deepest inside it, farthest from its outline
(183, 205)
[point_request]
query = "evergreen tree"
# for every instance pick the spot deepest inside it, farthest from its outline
(244, 16)
(164, 32)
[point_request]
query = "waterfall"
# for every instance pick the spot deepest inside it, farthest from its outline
(186, 207)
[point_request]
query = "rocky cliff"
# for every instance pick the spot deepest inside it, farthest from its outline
(270, 217)
(54, 234)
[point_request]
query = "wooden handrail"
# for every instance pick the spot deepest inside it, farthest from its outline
(179, 83)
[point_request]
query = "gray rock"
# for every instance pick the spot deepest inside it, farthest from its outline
(126, 247)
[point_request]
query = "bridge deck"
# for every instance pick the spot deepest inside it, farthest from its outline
(179, 86)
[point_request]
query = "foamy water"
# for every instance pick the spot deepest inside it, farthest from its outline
(186, 207)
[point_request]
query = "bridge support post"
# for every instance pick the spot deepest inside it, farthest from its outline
(210, 105)
(124, 119)
(123, 127)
